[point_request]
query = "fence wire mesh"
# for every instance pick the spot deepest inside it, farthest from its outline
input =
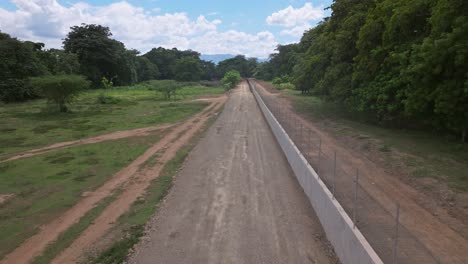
(378, 223)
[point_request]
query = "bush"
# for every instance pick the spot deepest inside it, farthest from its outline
(167, 87)
(106, 99)
(60, 89)
(231, 79)
(284, 86)
(15, 90)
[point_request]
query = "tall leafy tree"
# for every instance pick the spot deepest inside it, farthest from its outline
(146, 69)
(99, 55)
(188, 69)
(19, 61)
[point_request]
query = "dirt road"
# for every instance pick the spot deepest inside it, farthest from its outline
(236, 200)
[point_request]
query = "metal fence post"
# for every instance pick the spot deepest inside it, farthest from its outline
(319, 155)
(355, 197)
(300, 140)
(395, 242)
(310, 147)
(334, 175)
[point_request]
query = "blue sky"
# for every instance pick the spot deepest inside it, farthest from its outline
(252, 28)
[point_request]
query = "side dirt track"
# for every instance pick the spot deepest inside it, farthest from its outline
(92, 140)
(431, 237)
(236, 200)
(132, 178)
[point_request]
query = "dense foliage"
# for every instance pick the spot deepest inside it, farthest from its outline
(404, 62)
(231, 79)
(90, 51)
(240, 63)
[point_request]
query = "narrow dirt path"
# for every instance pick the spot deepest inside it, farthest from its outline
(131, 192)
(424, 237)
(236, 200)
(49, 232)
(93, 140)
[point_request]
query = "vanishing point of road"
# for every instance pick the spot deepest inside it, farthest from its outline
(236, 200)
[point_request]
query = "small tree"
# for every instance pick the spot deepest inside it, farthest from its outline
(60, 89)
(231, 79)
(106, 83)
(168, 88)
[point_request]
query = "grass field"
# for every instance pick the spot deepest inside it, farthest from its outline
(425, 154)
(46, 185)
(30, 125)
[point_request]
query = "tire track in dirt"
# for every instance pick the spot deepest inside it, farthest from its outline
(92, 140)
(131, 192)
(443, 242)
(48, 233)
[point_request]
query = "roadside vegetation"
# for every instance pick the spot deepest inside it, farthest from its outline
(231, 79)
(402, 63)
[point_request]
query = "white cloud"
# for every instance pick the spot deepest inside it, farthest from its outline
(48, 21)
(235, 42)
(296, 31)
(290, 17)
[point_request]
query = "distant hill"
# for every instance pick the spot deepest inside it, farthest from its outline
(216, 58)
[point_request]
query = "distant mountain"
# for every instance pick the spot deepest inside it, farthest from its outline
(216, 58)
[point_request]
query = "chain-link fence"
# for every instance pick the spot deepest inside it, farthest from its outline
(378, 223)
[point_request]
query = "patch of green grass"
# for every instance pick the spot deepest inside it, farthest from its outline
(66, 238)
(440, 157)
(384, 148)
(47, 185)
(30, 125)
(133, 222)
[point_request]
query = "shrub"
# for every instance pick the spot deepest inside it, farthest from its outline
(106, 99)
(168, 88)
(283, 86)
(60, 89)
(231, 79)
(15, 90)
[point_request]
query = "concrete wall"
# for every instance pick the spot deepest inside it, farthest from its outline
(349, 244)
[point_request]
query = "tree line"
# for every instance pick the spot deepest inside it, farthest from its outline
(403, 62)
(91, 52)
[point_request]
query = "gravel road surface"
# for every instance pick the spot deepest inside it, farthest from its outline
(236, 200)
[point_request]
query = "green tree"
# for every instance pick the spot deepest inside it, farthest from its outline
(188, 69)
(246, 67)
(168, 88)
(60, 62)
(19, 61)
(60, 89)
(99, 55)
(146, 69)
(166, 60)
(209, 70)
(231, 79)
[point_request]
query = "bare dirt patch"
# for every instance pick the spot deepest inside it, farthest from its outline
(5, 197)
